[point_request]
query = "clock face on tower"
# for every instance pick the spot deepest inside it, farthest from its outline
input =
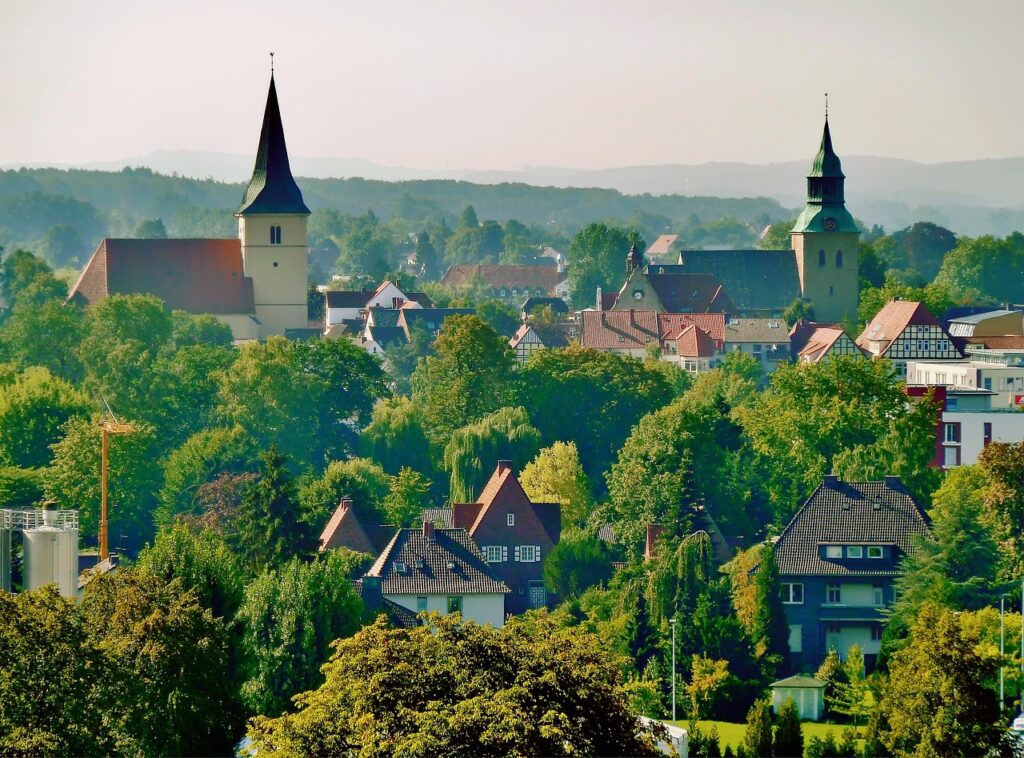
(830, 224)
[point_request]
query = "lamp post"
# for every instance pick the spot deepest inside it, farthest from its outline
(1002, 670)
(672, 621)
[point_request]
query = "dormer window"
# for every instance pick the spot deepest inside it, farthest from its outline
(833, 551)
(275, 235)
(874, 551)
(400, 567)
(854, 551)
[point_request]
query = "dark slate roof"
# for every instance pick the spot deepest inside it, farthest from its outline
(193, 275)
(272, 189)
(470, 575)
(689, 292)
(754, 279)
(431, 318)
(838, 513)
(826, 162)
(303, 333)
(386, 336)
(383, 316)
(348, 298)
(399, 615)
(556, 304)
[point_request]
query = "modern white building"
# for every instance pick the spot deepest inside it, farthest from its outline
(970, 423)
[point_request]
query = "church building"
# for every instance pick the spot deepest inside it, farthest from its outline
(256, 284)
(820, 268)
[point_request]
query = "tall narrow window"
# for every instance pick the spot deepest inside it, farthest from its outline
(821, 257)
(839, 258)
(275, 235)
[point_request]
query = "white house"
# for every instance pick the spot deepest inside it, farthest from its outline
(970, 423)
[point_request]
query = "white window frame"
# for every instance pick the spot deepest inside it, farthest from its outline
(875, 552)
(854, 551)
(790, 594)
(528, 553)
(834, 594)
(833, 551)
(510, 519)
(495, 553)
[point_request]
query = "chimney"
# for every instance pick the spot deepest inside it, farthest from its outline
(599, 304)
(893, 483)
(346, 502)
(428, 530)
(504, 465)
(654, 532)
(830, 480)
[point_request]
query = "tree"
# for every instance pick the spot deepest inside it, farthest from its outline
(360, 479)
(473, 450)
(290, 616)
(706, 679)
(427, 258)
(73, 480)
(597, 258)
(469, 376)
(770, 629)
(203, 564)
(62, 245)
(757, 740)
(500, 316)
(32, 411)
(798, 310)
(44, 335)
(579, 561)
(556, 476)
(150, 229)
(834, 674)
(365, 250)
(395, 438)
(777, 236)
(985, 267)
(199, 329)
(408, 495)
(52, 679)
(171, 661)
(789, 735)
(468, 219)
(850, 696)
(1003, 467)
(463, 689)
(925, 245)
(269, 528)
(27, 279)
(939, 699)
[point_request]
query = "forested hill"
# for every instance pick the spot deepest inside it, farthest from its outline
(63, 213)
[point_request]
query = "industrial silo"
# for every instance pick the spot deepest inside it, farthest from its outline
(51, 554)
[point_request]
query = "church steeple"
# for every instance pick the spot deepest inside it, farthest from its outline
(826, 198)
(272, 189)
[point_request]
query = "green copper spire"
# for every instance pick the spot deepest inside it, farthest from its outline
(826, 205)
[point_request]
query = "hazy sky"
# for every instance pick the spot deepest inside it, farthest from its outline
(478, 84)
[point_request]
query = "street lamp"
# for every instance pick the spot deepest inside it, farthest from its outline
(1002, 669)
(672, 621)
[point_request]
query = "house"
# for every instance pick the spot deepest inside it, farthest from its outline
(515, 535)
(995, 323)
(905, 330)
(837, 561)
(350, 305)
(634, 333)
(665, 249)
(505, 282)
(525, 342)
(344, 529)
(429, 319)
(536, 303)
(999, 371)
(765, 339)
(970, 422)
(255, 284)
(436, 570)
(825, 342)
(650, 287)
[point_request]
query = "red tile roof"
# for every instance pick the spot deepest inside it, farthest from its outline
(694, 342)
(543, 277)
(820, 342)
(889, 323)
(671, 324)
(802, 331)
(194, 275)
(601, 330)
(662, 245)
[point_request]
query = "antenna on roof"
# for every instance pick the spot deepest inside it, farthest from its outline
(272, 73)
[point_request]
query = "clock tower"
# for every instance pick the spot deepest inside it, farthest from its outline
(825, 240)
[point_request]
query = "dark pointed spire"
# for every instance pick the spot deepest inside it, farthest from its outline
(634, 258)
(826, 195)
(826, 162)
(272, 189)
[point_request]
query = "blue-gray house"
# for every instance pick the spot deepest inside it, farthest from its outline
(837, 562)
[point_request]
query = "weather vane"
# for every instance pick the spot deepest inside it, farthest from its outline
(272, 68)
(826, 94)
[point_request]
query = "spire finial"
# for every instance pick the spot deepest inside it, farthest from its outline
(826, 104)
(272, 70)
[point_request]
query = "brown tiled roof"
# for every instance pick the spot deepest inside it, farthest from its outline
(662, 245)
(543, 277)
(193, 275)
(439, 517)
(802, 331)
(600, 330)
(889, 323)
(820, 342)
(864, 513)
(1005, 342)
(504, 486)
(344, 530)
(694, 342)
(671, 324)
(469, 575)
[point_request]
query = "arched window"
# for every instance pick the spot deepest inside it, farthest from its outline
(821, 257)
(830, 289)
(839, 258)
(275, 235)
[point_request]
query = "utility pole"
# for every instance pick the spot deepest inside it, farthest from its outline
(1002, 670)
(107, 427)
(673, 623)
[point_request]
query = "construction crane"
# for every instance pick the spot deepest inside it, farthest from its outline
(108, 426)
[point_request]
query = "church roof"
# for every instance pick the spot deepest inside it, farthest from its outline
(193, 275)
(826, 162)
(761, 280)
(272, 189)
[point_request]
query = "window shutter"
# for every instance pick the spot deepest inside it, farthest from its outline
(504, 553)
(536, 553)
(517, 553)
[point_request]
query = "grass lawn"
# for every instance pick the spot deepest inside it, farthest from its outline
(732, 734)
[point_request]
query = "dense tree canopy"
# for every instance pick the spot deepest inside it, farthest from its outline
(597, 258)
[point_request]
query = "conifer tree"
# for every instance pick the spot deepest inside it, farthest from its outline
(789, 737)
(270, 530)
(757, 741)
(770, 630)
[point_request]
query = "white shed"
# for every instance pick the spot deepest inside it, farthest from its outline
(807, 692)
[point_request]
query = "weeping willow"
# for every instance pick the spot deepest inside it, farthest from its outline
(474, 450)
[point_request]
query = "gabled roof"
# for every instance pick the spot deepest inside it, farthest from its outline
(670, 325)
(193, 275)
(601, 330)
(469, 574)
(386, 336)
(556, 304)
(754, 279)
(694, 342)
(344, 529)
(662, 245)
(503, 488)
(430, 318)
(272, 189)
(799, 681)
(359, 298)
(890, 322)
(802, 331)
(821, 341)
(690, 293)
(864, 513)
(543, 276)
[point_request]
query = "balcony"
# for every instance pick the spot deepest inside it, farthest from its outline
(842, 612)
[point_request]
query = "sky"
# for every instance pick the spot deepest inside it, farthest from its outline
(480, 84)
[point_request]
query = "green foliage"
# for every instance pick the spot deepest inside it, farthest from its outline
(474, 450)
(770, 630)
(500, 316)
(706, 679)
(1003, 466)
(26, 279)
(985, 267)
(463, 689)
(408, 495)
(52, 680)
(307, 398)
(579, 561)
(834, 674)
(44, 335)
(73, 480)
(939, 699)
(937, 298)
(270, 531)
(597, 258)
(556, 476)
(20, 487)
(358, 478)
(469, 376)
(610, 394)
(170, 661)
(778, 237)
(395, 438)
(789, 737)
(32, 411)
(366, 250)
(850, 692)
(798, 310)
(150, 229)
(290, 617)
(757, 740)
(203, 564)
(201, 329)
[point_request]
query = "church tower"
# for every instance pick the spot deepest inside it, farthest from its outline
(272, 228)
(825, 240)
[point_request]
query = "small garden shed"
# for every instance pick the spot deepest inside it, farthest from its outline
(807, 692)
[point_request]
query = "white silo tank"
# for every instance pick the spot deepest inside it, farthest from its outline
(51, 556)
